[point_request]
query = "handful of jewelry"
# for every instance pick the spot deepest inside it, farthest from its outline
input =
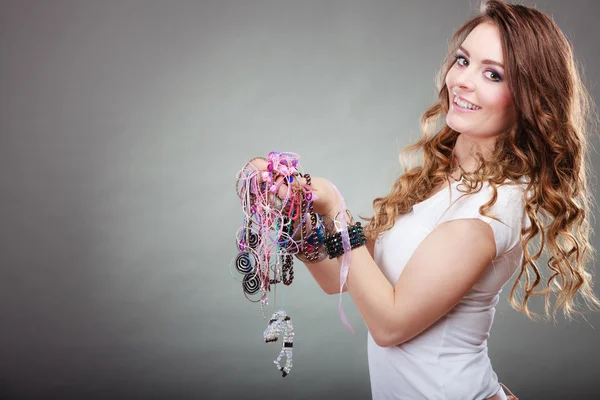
(280, 223)
(265, 240)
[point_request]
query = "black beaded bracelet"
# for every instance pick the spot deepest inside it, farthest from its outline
(335, 247)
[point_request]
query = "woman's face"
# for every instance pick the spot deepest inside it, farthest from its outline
(480, 103)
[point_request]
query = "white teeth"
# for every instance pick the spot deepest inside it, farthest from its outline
(465, 104)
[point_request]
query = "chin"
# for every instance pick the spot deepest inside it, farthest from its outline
(453, 125)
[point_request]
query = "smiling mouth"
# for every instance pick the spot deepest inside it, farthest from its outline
(465, 104)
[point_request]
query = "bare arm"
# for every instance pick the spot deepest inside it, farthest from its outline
(443, 268)
(327, 273)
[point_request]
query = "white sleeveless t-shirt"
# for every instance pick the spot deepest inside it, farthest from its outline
(449, 360)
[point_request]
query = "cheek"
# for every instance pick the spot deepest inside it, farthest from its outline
(449, 79)
(500, 102)
(503, 109)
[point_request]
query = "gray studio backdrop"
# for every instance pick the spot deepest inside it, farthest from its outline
(123, 125)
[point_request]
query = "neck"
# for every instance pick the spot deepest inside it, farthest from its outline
(466, 149)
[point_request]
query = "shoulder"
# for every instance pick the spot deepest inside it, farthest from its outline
(503, 197)
(501, 206)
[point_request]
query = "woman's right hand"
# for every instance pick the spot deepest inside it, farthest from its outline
(326, 200)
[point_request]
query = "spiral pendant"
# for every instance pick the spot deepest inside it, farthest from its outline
(251, 283)
(252, 240)
(245, 262)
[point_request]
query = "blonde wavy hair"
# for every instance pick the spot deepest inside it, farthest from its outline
(547, 146)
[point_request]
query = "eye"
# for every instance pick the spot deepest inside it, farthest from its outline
(493, 75)
(461, 60)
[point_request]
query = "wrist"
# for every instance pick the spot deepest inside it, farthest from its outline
(345, 239)
(336, 220)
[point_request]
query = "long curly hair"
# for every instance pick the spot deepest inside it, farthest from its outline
(547, 148)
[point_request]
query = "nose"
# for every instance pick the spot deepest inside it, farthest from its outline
(465, 79)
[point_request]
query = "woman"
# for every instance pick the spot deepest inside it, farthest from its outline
(506, 169)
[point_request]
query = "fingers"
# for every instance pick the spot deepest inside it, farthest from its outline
(274, 183)
(284, 189)
(260, 163)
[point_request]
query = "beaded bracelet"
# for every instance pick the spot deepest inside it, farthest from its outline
(309, 246)
(334, 244)
(312, 242)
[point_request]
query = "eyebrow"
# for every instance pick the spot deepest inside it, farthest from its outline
(484, 61)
